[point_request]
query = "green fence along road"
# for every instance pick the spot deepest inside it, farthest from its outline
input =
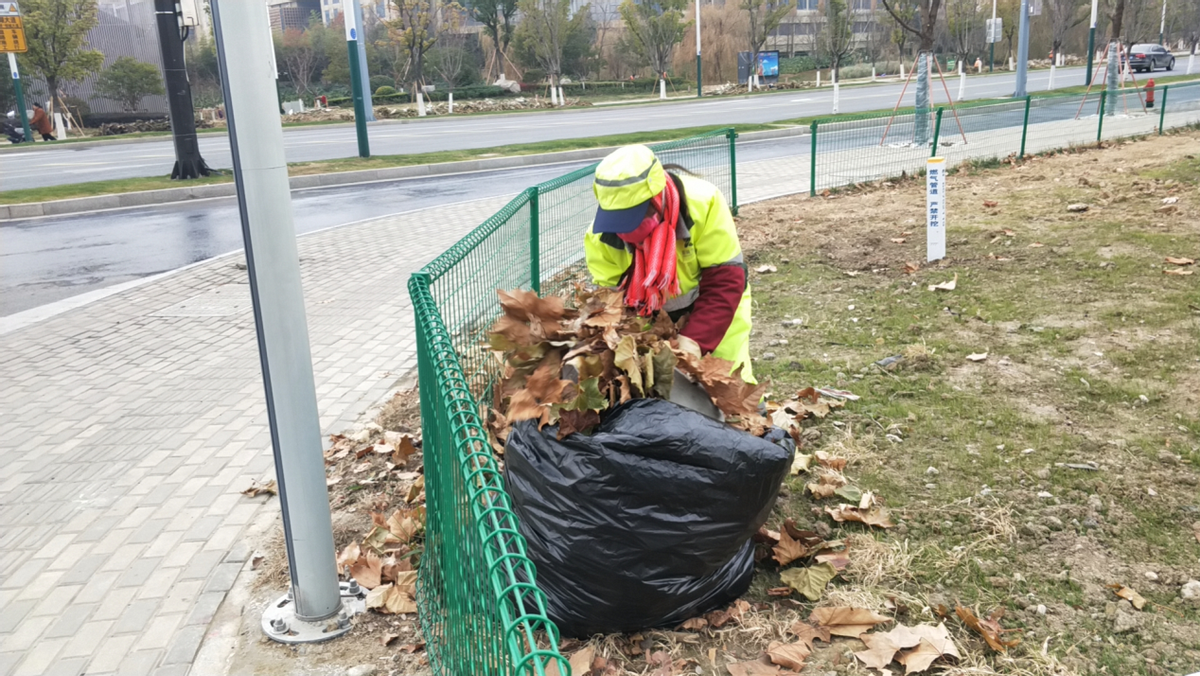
(849, 149)
(480, 609)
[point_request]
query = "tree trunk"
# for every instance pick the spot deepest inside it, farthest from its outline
(1117, 17)
(921, 118)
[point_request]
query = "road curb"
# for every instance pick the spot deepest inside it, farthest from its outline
(183, 194)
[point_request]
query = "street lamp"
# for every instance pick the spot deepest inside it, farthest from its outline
(1087, 77)
(699, 70)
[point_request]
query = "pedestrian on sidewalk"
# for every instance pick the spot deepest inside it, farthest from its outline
(41, 123)
(10, 129)
(668, 238)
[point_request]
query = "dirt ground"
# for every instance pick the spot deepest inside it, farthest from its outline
(1028, 480)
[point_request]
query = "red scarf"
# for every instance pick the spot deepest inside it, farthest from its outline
(654, 279)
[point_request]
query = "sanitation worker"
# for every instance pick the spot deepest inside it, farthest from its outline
(668, 239)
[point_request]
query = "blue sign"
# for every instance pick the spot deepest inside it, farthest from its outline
(768, 64)
(353, 34)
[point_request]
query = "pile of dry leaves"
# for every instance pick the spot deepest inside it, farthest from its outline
(566, 361)
(384, 562)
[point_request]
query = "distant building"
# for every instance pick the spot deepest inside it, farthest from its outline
(383, 9)
(287, 14)
(800, 30)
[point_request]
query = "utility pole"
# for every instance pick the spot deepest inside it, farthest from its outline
(699, 70)
(1162, 27)
(317, 606)
(1087, 78)
(356, 85)
(16, 79)
(188, 162)
(992, 40)
(1022, 51)
(363, 72)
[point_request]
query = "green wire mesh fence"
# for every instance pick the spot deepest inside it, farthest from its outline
(849, 149)
(480, 609)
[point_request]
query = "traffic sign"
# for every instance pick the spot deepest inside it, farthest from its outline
(12, 31)
(995, 29)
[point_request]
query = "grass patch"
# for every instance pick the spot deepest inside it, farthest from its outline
(1065, 461)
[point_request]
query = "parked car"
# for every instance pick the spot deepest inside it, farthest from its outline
(1148, 57)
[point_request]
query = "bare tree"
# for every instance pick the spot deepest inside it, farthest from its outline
(300, 57)
(448, 58)
(837, 33)
(764, 17)
(499, 19)
(921, 26)
(1064, 15)
(655, 28)
(962, 24)
(548, 22)
(418, 27)
(721, 28)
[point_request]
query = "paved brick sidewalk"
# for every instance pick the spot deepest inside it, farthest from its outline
(129, 429)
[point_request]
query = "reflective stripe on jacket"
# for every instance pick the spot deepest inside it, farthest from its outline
(712, 274)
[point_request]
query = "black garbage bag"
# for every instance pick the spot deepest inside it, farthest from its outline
(647, 522)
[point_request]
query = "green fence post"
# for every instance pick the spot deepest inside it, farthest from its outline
(937, 130)
(1024, 128)
(812, 165)
(1162, 110)
(535, 243)
(732, 136)
(1100, 123)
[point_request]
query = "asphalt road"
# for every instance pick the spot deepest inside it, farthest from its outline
(45, 167)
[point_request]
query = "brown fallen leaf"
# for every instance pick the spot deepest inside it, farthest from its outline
(694, 624)
(779, 591)
(911, 637)
(411, 648)
(844, 621)
(807, 633)
(828, 460)
(256, 561)
(873, 516)
(1129, 595)
(919, 659)
(879, 653)
(367, 570)
(404, 448)
(256, 489)
(1036, 245)
(752, 668)
(788, 655)
(1180, 261)
(840, 560)
(1178, 271)
(660, 660)
(1167, 209)
(387, 639)
(766, 536)
(990, 204)
(898, 240)
(788, 550)
(945, 286)
(989, 629)
(377, 597)
(580, 661)
(348, 557)
(981, 356)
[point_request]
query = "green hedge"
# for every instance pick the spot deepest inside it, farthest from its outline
(461, 93)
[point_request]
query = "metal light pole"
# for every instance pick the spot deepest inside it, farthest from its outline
(16, 79)
(317, 607)
(992, 40)
(188, 162)
(699, 70)
(1022, 51)
(356, 85)
(1087, 78)
(1162, 27)
(363, 72)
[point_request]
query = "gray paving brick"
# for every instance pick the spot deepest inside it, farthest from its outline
(201, 528)
(136, 616)
(12, 614)
(71, 620)
(173, 670)
(140, 663)
(205, 608)
(187, 642)
(73, 666)
(223, 577)
(84, 569)
(202, 565)
(138, 572)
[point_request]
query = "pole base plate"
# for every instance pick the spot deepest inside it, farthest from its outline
(279, 621)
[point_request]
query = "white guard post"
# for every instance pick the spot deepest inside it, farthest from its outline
(935, 208)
